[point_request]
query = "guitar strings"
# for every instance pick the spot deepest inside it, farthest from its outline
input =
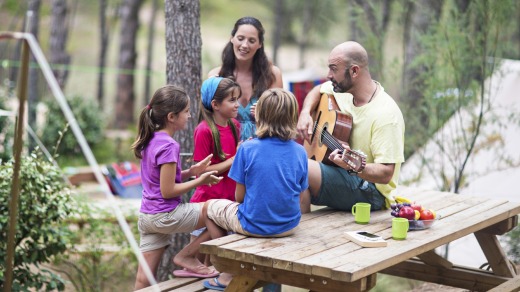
(353, 156)
(330, 139)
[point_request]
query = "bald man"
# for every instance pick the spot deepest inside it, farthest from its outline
(378, 131)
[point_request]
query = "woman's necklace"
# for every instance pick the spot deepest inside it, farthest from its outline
(354, 99)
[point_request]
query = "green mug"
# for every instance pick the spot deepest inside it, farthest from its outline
(361, 212)
(400, 228)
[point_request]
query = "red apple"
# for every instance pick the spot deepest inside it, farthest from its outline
(427, 215)
(407, 212)
(416, 206)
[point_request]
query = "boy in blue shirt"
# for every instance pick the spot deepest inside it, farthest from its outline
(271, 173)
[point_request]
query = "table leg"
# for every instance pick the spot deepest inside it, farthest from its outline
(241, 283)
(495, 255)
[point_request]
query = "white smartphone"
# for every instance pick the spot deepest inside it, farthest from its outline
(366, 239)
(369, 236)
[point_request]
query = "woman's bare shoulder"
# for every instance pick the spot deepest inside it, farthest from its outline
(214, 72)
(278, 82)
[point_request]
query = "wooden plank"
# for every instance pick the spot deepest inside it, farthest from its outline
(241, 283)
(461, 277)
(324, 242)
(303, 244)
(248, 249)
(502, 227)
(482, 214)
(323, 263)
(283, 256)
(512, 285)
(255, 272)
(193, 287)
(433, 259)
(495, 255)
(251, 246)
(320, 250)
(211, 246)
(170, 284)
(258, 250)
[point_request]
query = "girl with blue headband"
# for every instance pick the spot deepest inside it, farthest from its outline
(217, 134)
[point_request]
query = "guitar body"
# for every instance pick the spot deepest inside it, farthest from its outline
(331, 129)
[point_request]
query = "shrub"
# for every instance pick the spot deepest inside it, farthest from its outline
(89, 119)
(44, 203)
(100, 257)
(512, 238)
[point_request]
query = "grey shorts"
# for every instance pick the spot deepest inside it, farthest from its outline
(340, 190)
(156, 230)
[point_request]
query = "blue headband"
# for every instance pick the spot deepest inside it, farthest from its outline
(208, 90)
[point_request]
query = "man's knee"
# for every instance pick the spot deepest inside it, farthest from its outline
(314, 177)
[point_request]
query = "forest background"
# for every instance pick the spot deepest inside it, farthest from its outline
(110, 55)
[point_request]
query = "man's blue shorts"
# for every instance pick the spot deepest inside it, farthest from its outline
(340, 190)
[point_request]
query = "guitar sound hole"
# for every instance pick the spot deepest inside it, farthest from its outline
(323, 132)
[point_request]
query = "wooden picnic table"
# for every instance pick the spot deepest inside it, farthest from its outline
(319, 257)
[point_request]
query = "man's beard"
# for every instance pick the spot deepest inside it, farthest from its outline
(344, 86)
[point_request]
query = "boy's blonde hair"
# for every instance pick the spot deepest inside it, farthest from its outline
(276, 114)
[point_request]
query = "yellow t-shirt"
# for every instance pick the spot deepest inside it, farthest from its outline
(377, 130)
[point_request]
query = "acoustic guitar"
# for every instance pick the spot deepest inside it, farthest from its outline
(331, 129)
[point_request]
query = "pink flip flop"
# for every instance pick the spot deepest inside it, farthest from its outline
(189, 274)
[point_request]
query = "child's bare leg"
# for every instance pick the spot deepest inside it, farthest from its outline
(187, 257)
(202, 257)
(152, 258)
(217, 232)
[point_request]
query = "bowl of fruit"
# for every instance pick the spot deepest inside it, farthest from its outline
(419, 217)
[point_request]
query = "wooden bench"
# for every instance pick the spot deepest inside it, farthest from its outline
(179, 285)
(512, 285)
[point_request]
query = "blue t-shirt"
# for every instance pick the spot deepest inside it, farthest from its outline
(274, 173)
(247, 122)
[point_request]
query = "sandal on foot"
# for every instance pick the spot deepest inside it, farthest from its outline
(218, 287)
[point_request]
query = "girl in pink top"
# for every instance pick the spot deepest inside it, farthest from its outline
(218, 133)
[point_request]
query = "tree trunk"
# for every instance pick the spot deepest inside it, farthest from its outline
(125, 99)
(278, 25)
(306, 26)
(33, 23)
(184, 69)
(103, 46)
(421, 14)
(355, 33)
(474, 28)
(377, 15)
(149, 52)
(58, 41)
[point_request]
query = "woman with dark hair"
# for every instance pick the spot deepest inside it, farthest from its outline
(245, 59)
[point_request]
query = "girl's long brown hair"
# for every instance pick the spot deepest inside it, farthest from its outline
(167, 99)
(263, 75)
